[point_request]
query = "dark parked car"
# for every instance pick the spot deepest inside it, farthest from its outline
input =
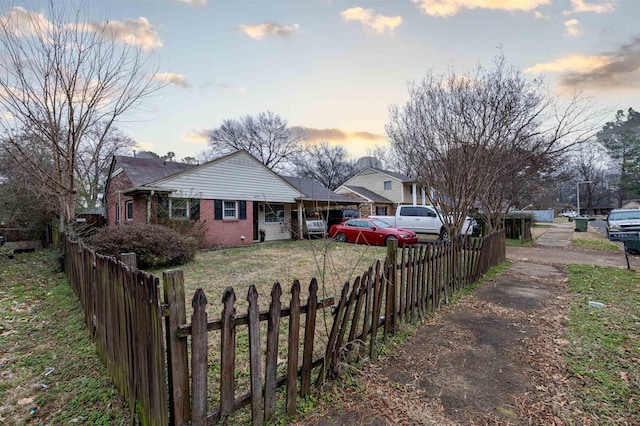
(336, 216)
(372, 232)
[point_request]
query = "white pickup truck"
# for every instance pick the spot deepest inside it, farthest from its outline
(424, 220)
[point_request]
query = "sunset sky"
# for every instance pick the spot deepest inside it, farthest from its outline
(333, 67)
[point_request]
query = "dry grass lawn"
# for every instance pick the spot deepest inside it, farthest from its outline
(332, 264)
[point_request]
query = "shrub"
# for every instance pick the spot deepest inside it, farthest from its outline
(192, 228)
(154, 245)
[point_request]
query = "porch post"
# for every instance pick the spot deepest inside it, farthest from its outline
(414, 187)
(300, 218)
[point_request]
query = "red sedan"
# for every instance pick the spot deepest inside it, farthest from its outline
(372, 232)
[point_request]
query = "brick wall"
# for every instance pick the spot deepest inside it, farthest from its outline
(117, 184)
(226, 232)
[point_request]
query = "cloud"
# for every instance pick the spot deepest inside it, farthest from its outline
(197, 136)
(314, 135)
(579, 6)
(368, 18)
(573, 27)
(171, 78)
(618, 69)
(194, 2)
(445, 8)
(539, 15)
(138, 32)
(579, 63)
(260, 31)
(23, 22)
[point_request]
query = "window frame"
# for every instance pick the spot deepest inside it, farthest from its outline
(128, 208)
(387, 185)
(172, 207)
(272, 210)
(226, 209)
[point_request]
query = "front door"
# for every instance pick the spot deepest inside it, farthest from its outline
(255, 221)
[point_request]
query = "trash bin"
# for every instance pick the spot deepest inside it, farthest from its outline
(581, 223)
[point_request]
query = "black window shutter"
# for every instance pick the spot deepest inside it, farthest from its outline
(243, 210)
(194, 210)
(217, 211)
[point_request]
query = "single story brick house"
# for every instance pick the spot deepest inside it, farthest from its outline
(236, 198)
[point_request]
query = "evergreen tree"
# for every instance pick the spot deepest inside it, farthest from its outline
(621, 139)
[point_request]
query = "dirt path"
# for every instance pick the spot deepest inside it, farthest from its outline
(494, 358)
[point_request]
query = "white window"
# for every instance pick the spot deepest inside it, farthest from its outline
(387, 185)
(274, 213)
(179, 208)
(230, 210)
(128, 210)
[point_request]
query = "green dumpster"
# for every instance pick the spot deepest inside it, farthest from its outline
(581, 223)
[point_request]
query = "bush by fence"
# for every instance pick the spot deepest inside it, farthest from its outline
(410, 283)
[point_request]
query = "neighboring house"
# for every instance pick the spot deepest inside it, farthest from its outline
(382, 190)
(631, 204)
(315, 195)
(235, 197)
(372, 203)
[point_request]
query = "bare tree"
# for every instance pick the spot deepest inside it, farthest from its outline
(329, 165)
(387, 158)
(94, 158)
(62, 77)
(487, 136)
(266, 136)
(23, 200)
(590, 164)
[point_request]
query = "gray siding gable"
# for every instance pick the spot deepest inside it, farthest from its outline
(237, 176)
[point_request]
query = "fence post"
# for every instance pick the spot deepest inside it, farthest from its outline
(294, 344)
(227, 353)
(257, 413)
(129, 259)
(391, 281)
(271, 361)
(177, 358)
(309, 335)
(199, 359)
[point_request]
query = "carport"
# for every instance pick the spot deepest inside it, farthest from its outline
(315, 201)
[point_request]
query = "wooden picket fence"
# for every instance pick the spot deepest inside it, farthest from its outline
(123, 310)
(409, 284)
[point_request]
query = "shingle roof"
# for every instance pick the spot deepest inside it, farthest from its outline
(370, 195)
(144, 170)
(314, 190)
(400, 176)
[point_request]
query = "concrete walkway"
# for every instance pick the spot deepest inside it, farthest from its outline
(559, 235)
(554, 248)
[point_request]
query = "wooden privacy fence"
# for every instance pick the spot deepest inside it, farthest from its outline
(123, 308)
